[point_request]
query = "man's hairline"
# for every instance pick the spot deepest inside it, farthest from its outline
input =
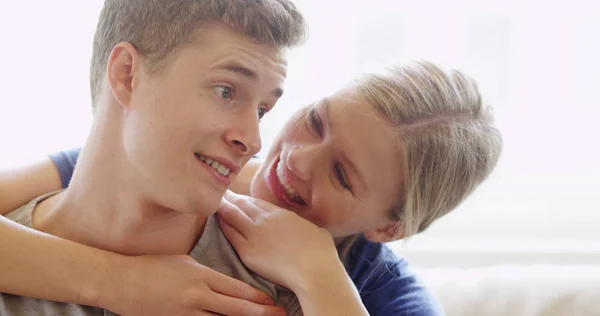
(157, 65)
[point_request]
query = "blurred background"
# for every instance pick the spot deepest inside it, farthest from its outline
(537, 63)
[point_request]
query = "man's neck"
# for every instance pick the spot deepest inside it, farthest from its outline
(104, 208)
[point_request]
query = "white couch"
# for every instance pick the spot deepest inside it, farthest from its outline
(524, 290)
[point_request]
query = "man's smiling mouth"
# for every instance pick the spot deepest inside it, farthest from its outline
(215, 164)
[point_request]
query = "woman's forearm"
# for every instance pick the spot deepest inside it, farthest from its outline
(20, 185)
(329, 291)
(39, 265)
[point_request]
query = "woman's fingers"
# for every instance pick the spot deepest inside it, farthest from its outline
(235, 217)
(246, 204)
(233, 235)
(225, 305)
(234, 297)
(266, 206)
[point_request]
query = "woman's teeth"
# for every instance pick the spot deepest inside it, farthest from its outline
(215, 164)
(287, 188)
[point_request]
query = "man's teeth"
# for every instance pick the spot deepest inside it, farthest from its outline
(287, 188)
(215, 164)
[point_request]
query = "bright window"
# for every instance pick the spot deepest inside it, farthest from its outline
(537, 64)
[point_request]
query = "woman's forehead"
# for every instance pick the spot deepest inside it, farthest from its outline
(367, 139)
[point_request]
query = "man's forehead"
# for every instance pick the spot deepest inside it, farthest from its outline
(224, 40)
(258, 64)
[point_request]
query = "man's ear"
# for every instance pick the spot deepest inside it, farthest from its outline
(122, 72)
(387, 233)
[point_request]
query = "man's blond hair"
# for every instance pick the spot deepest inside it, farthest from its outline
(157, 27)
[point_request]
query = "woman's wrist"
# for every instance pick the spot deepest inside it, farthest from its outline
(100, 290)
(329, 291)
(314, 276)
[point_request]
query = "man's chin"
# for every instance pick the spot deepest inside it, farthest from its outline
(204, 204)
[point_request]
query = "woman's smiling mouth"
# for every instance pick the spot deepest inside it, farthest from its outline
(280, 186)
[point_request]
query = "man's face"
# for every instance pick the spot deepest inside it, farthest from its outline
(190, 128)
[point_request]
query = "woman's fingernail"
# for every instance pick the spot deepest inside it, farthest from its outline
(269, 302)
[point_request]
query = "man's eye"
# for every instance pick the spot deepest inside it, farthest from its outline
(224, 92)
(261, 113)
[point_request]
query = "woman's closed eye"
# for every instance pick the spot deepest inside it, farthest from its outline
(341, 176)
(338, 169)
(315, 122)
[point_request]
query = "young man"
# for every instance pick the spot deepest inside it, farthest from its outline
(178, 88)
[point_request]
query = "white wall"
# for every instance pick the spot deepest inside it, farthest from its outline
(536, 63)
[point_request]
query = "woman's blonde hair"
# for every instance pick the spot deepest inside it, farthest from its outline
(447, 136)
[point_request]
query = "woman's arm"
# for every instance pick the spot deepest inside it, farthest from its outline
(328, 290)
(21, 185)
(39, 265)
(47, 267)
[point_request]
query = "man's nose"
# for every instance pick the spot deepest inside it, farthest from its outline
(245, 135)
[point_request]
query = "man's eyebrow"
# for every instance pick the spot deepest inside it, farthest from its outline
(249, 74)
(352, 165)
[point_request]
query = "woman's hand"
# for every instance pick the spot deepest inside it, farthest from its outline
(178, 285)
(276, 243)
(290, 251)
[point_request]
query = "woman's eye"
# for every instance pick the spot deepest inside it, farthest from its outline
(224, 92)
(261, 113)
(315, 122)
(339, 173)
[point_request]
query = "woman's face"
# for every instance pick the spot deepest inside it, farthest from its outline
(335, 163)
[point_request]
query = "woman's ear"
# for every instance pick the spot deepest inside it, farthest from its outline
(389, 232)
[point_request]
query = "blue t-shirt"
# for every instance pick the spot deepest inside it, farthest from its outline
(386, 283)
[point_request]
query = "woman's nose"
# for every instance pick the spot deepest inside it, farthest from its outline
(300, 160)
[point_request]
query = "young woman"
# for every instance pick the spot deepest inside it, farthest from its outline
(378, 161)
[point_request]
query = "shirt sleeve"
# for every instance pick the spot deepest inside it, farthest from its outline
(65, 164)
(387, 285)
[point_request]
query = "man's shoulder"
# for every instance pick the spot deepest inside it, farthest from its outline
(214, 251)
